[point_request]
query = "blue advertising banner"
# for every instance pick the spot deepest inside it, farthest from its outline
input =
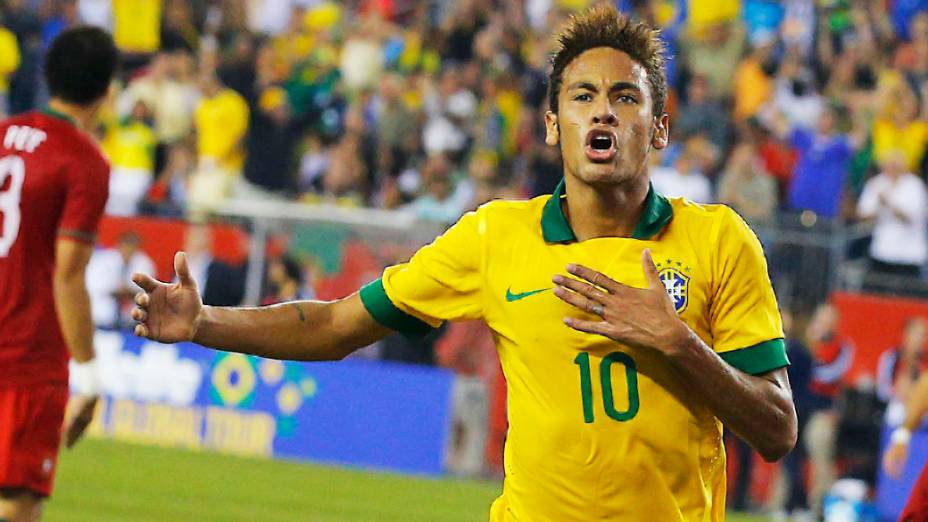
(355, 412)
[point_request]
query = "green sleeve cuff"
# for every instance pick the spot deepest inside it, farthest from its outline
(382, 309)
(760, 358)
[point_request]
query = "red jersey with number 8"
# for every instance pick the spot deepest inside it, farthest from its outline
(53, 184)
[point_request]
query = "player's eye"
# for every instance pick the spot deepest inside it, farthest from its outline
(584, 96)
(627, 98)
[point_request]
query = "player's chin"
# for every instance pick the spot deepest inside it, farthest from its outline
(602, 173)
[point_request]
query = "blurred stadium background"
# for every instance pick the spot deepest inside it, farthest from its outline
(296, 147)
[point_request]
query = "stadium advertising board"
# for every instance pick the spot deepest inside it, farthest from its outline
(355, 412)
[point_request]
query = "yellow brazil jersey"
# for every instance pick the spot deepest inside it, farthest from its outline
(221, 122)
(701, 14)
(130, 145)
(597, 430)
(137, 25)
(9, 58)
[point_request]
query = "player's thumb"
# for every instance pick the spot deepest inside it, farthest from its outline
(650, 271)
(183, 271)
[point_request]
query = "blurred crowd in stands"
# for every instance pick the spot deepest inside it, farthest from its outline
(816, 108)
(433, 107)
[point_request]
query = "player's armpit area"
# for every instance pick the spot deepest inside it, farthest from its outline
(382, 309)
(759, 358)
(77, 235)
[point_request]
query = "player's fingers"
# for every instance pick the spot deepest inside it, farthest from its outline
(593, 327)
(594, 277)
(75, 430)
(145, 282)
(183, 271)
(583, 303)
(142, 299)
(82, 417)
(141, 330)
(650, 270)
(581, 287)
(139, 315)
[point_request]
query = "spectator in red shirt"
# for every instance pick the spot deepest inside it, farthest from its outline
(832, 356)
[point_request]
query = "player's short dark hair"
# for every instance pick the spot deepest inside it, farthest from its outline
(604, 26)
(80, 64)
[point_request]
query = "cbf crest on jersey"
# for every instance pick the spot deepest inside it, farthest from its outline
(676, 281)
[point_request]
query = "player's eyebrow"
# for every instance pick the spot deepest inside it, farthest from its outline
(615, 87)
(624, 86)
(582, 85)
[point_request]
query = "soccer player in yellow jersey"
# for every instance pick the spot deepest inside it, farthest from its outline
(629, 326)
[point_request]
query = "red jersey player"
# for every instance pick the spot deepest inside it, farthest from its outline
(53, 187)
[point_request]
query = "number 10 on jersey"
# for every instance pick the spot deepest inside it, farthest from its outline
(605, 378)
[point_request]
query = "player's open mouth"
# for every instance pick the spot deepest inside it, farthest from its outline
(600, 146)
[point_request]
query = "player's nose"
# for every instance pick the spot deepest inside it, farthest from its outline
(605, 116)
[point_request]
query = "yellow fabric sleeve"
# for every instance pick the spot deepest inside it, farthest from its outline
(443, 281)
(743, 315)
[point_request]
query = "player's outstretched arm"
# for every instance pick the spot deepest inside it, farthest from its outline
(298, 330)
(916, 409)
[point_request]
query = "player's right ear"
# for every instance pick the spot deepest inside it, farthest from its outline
(552, 136)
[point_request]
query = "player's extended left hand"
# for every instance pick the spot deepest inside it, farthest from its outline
(643, 317)
(167, 312)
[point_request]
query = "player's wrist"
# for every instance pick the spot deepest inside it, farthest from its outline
(678, 341)
(201, 324)
(901, 436)
(86, 378)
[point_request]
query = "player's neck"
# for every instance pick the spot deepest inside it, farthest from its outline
(605, 211)
(82, 116)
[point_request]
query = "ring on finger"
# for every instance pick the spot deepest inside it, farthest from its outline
(597, 309)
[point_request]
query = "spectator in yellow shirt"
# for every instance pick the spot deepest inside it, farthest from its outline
(220, 120)
(703, 14)
(901, 127)
(137, 30)
(753, 83)
(9, 62)
(130, 147)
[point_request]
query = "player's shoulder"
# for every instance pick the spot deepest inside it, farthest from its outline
(515, 208)
(74, 144)
(61, 133)
(715, 221)
(700, 214)
(18, 120)
(503, 214)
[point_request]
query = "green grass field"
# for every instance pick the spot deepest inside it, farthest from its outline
(105, 481)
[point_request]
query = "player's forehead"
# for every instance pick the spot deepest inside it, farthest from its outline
(604, 66)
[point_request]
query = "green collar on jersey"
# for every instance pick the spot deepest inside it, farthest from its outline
(48, 111)
(555, 228)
